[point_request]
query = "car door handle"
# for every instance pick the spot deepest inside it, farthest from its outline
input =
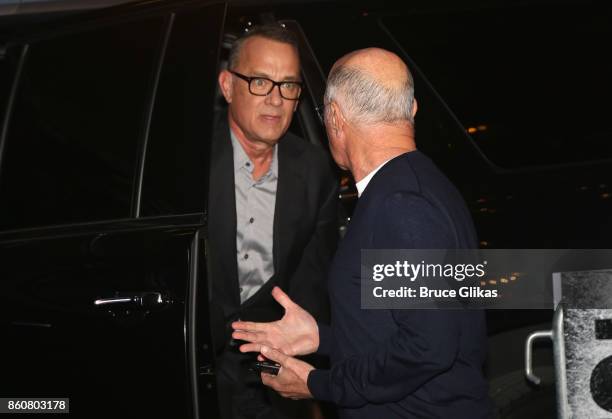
(146, 300)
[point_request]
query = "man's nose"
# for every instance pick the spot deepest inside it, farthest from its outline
(274, 97)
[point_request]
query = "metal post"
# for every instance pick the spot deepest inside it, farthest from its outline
(563, 410)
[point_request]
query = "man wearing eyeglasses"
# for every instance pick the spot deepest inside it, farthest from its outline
(272, 213)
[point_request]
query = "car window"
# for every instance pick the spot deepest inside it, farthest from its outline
(72, 145)
(438, 134)
(176, 169)
(528, 94)
(7, 70)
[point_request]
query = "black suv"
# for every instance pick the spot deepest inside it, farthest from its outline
(106, 117)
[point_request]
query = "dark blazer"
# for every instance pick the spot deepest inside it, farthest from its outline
(304, 239)
(402, 363)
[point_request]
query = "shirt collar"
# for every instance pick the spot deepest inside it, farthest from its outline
(363, 183)
(241, 160)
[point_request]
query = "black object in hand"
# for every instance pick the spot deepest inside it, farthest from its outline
(268, 367)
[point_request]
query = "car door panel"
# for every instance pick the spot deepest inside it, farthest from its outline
(128, 351)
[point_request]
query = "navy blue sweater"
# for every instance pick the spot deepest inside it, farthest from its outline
(402, 363)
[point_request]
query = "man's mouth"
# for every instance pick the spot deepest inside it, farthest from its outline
(271, 118)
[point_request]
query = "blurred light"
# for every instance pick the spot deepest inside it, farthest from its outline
(483, 283)
(482, 200)
(364, 14)
(503, 280)
(477, 128)
(493, 281)
(512, 278)
(484, 243)
(605, 195)
(485, 209)
(583, 188)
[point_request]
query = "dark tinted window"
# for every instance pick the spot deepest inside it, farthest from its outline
(531, 84)
(176, 170)
(72, 146)
(8, 64)
(437, 133)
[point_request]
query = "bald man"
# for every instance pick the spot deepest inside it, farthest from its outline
(385, 363)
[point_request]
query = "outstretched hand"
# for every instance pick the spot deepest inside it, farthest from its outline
(296, 333)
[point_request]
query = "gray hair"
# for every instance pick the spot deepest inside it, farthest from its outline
(366, 100)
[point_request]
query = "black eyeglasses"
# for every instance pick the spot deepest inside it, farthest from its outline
(262, 86)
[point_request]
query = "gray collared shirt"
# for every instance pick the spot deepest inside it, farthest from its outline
(255, 201)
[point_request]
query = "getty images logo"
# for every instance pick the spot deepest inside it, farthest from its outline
(413, 271)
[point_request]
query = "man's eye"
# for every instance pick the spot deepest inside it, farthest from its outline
(290, 86)
(259, 82)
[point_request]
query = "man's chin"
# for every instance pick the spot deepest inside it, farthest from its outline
(271, 137)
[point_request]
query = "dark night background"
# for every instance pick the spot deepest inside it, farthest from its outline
(514, 106)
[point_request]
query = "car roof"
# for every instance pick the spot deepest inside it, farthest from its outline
(20, 7)
(23, 7)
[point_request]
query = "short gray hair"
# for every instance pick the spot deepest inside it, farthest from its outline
(367, 100)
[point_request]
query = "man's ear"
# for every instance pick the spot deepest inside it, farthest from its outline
(225, 84)
(414, 107)
(335, 117)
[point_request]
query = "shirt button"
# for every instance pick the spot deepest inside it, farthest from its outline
(251, 220)
(246, 256)
(248, 164)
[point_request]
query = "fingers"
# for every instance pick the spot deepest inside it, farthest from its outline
(249, 326)
(274, 355)
(273, 382)
(269, 380)
(248, 336)
(250, 347)
(282, 298)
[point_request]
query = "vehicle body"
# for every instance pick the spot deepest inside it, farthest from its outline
(106, 117)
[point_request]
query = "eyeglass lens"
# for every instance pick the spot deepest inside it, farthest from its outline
(262, 86)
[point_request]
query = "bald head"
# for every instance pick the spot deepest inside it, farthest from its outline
(373, 86)
(382, 65)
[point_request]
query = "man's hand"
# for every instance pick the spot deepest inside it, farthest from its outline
(296, 333)
(292, 377)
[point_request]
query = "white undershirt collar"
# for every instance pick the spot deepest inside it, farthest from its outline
(363, 183)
